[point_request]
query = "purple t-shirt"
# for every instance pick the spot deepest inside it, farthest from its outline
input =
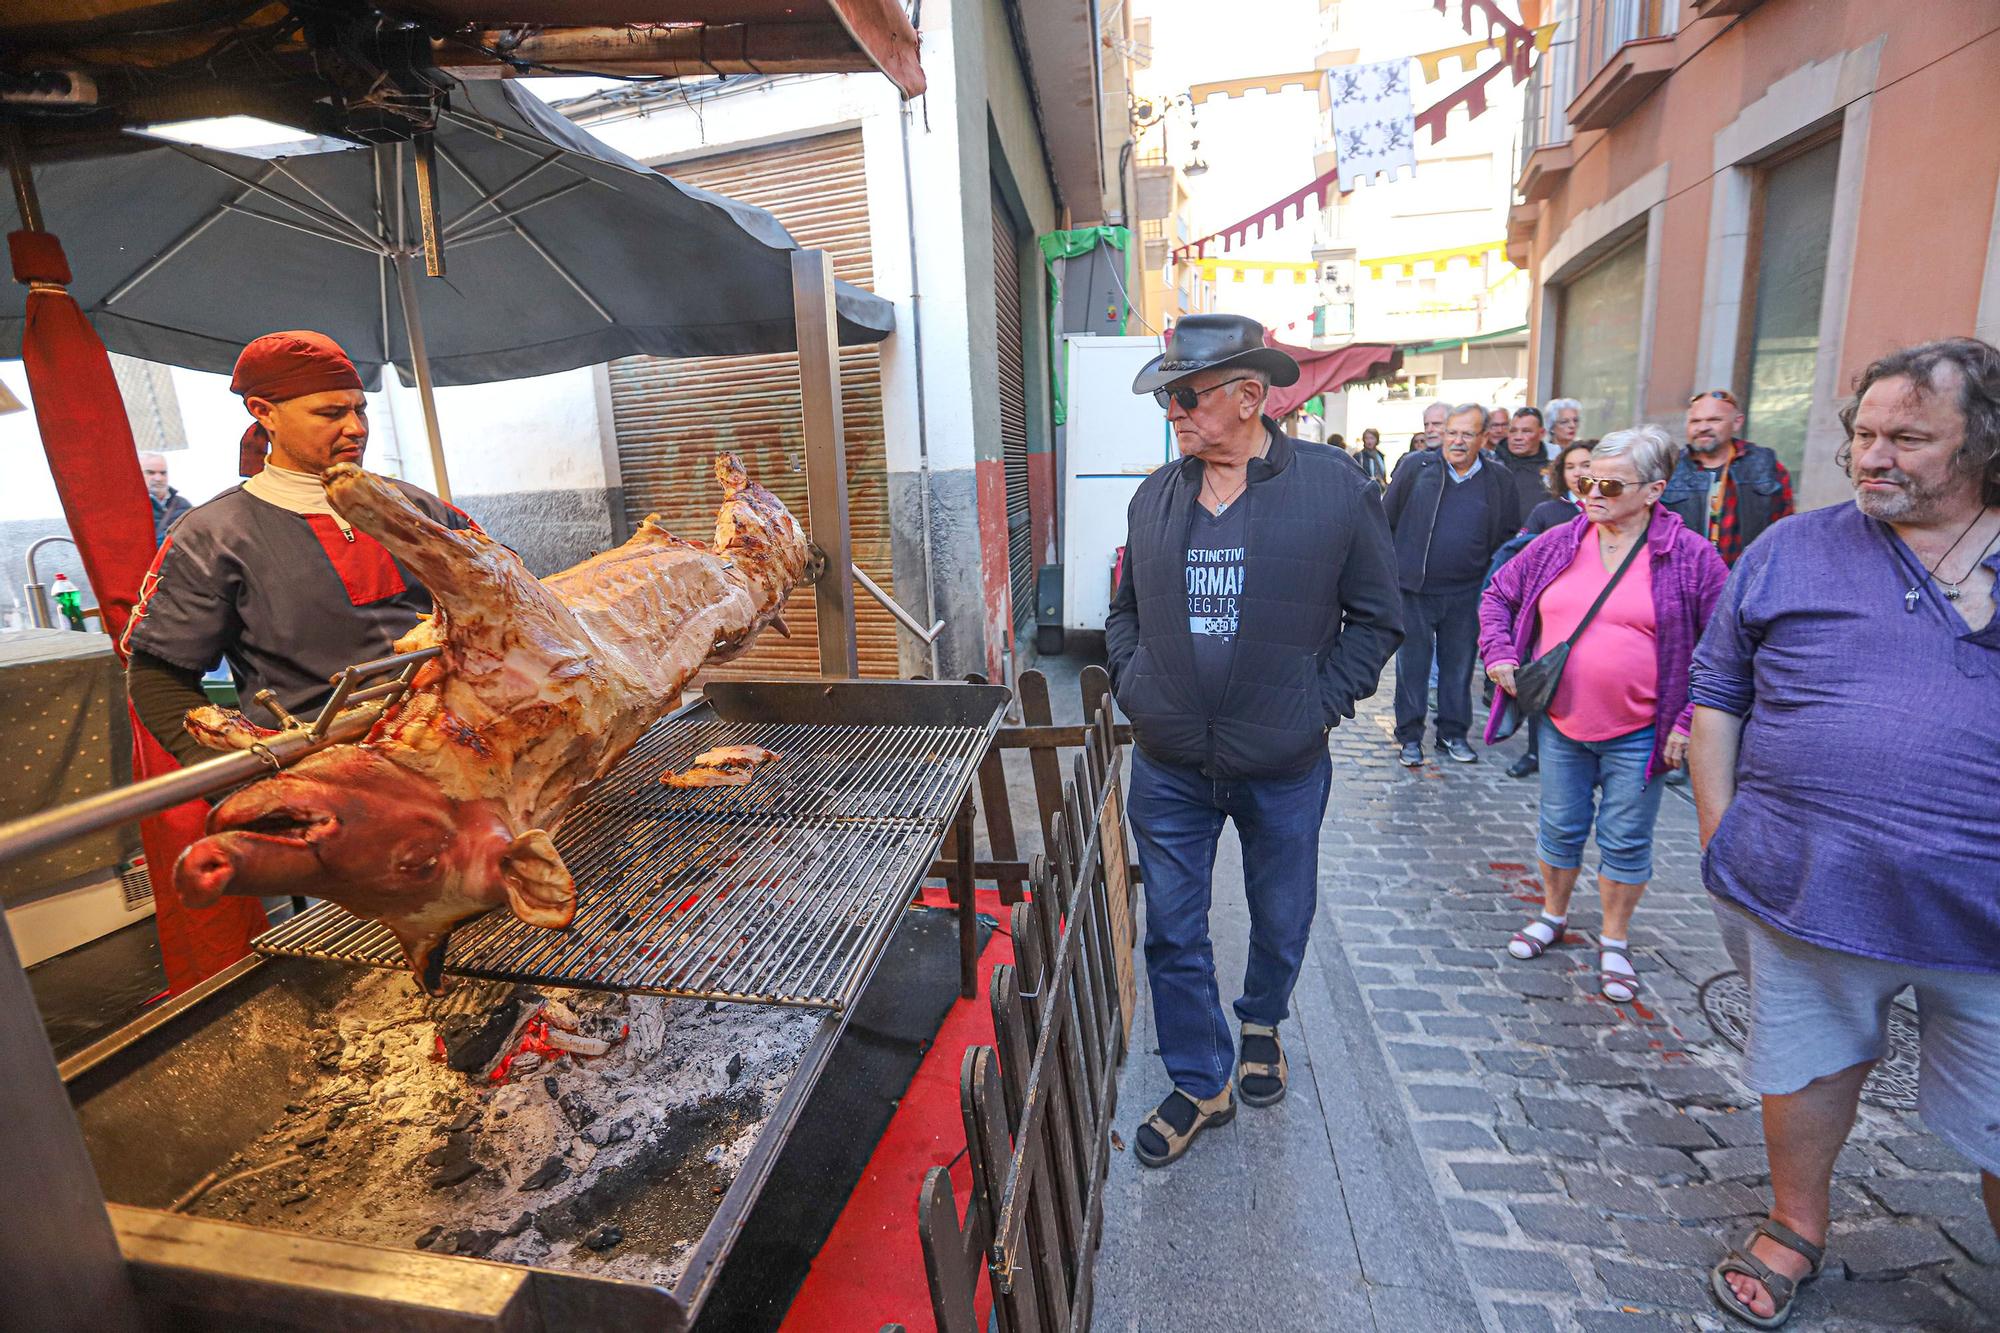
(1867, 811)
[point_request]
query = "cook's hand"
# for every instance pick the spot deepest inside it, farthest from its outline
(1677, 749)
(1503, 676)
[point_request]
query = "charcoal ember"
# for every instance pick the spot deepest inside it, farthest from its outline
(604, 1237)
(548, 1173)
(336, 1118)
(327, 1049)
(310, 1138)
(473, 1041)
(296, 1196)
(454, 1146)
(520, 1225)
(453, 1161)
(463, 1121)
(375, 1065)
(552, 1085)
(607, 1132)
(294, 1108)
(475, 1242)
(429, 1238)
(734, 1069)
(577, 1109)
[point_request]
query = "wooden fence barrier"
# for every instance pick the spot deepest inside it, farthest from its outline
(1038, 1106)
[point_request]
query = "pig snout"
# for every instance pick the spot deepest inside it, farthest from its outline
(204, 872)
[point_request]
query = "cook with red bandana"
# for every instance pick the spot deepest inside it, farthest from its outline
(266, 575)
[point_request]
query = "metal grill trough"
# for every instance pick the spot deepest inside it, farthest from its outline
(783, 891)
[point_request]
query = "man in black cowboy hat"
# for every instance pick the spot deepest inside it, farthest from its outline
(1258, 605)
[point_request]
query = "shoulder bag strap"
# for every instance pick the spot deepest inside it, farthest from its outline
(1597, 605)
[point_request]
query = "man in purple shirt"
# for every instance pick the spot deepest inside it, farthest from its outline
(1846, 729)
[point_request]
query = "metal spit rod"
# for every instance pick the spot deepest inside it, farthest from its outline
(52, 828)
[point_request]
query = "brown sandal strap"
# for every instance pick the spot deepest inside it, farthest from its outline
(1780, 1234)
(1746, 1264)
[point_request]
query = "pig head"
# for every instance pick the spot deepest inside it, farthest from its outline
(349, 825)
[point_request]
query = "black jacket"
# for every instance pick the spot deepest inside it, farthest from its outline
(1320, 615)
(1412, 504)
(1760, 492)
(1531, 483)
(166, 511)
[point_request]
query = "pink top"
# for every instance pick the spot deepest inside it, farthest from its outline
(1611, 684)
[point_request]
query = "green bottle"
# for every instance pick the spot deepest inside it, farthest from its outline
(68, 600)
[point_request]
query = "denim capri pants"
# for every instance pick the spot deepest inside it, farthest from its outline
(1602, 782)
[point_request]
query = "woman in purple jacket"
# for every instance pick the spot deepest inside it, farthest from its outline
(1621, 714)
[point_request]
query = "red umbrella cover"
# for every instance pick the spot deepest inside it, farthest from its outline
(95, 464)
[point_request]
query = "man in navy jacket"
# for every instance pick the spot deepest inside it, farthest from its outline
(1258, 605)
(1450, 510)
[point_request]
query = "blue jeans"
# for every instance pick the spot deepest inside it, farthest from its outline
(1440, 629)
(1176, 817)
(1573, 774)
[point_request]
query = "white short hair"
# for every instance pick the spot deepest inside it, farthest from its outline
(1465, 408)
(1557, 405)
(1438, 402)
(1653, 452)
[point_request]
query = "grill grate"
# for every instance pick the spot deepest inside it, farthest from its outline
(778, 892)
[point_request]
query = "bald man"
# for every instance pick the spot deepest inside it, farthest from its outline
(168, 503)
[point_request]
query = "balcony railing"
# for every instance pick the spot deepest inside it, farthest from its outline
(1605, 25)
(1544, 106)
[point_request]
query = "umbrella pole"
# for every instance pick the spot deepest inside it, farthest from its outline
(420, 365)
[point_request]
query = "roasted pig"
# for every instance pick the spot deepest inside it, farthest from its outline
(724, 766)
(446, 809)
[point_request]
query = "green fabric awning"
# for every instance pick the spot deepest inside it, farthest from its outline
(1074, 244)
(1453, 344)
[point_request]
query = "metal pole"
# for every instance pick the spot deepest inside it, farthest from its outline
(826, 458)
(25, 199)
(420, 362)
(61, 1263)
(413, 331)
(52, 828)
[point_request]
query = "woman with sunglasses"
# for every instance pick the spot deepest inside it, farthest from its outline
(1620, 715)
(1562, 506)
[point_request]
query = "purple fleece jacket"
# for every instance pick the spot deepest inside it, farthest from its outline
(1687, 581)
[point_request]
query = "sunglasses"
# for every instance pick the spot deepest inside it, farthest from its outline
(1609, 489)
(1722, 394)
(1189, 399)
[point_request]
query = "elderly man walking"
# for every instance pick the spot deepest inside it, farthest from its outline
(1725, 486)
(1844, 772)
(1258, 605)
(1449, 512)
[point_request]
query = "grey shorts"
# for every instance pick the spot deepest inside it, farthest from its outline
(1815, 1012)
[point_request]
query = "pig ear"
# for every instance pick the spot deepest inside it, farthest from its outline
(538, 884)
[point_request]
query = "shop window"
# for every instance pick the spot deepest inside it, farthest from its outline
(1597, 337)
(1408, 388)
(1791, 222)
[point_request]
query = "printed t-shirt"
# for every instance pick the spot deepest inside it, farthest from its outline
(1214, 594)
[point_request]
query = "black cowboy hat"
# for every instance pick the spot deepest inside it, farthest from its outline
(1209, 342)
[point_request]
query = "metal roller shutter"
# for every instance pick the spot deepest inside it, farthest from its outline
(674, 416)
(1013, 410)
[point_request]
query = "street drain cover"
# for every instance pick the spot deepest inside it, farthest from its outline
(1725, 1002)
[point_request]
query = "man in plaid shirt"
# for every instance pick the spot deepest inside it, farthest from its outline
(1726, 486)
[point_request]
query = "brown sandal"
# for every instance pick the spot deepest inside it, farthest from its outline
(1265, 1061)
(1166, 1133)
(1784, 1290)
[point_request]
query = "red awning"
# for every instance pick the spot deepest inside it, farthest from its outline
(1325, 370)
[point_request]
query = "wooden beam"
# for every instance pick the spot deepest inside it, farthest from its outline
(723, 48)
(826, 458)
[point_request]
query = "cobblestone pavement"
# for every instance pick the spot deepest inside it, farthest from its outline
(1582, 1160)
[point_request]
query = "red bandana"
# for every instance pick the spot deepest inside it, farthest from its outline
(278, 366)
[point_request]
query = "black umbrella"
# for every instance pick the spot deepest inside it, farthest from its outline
(557, 252)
